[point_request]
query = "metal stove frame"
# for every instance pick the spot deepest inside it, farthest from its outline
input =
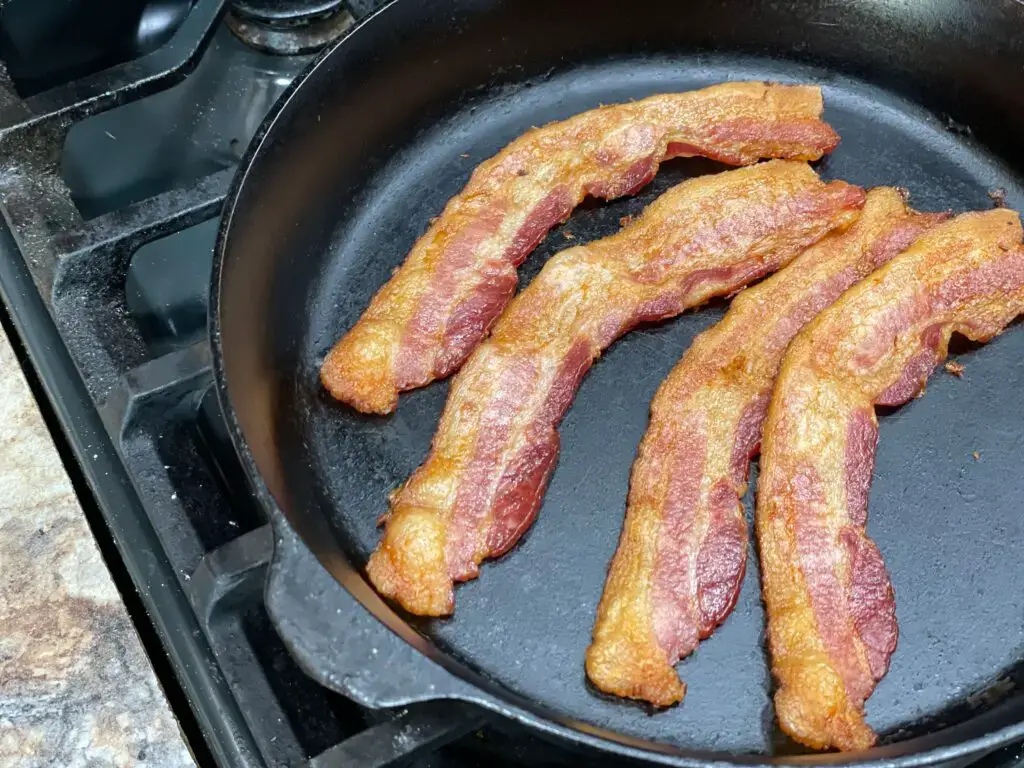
(119, 410)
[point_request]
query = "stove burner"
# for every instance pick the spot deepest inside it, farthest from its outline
(288, 27)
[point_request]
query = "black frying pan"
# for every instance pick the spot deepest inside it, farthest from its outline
(369, 145)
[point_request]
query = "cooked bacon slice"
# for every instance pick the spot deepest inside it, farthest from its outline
(496, 444)
(682, 554)
(459, 276)
(831, 615)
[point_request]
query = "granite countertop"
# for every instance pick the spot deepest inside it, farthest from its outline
(76, 687)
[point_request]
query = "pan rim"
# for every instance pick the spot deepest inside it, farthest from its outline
(917, 751)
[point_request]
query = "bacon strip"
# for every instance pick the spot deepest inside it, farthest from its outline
(497, 443)
(682, 554)
(459, 276)
(831, 613)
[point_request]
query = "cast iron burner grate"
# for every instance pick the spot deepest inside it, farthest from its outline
(110, 304)
(107, 292)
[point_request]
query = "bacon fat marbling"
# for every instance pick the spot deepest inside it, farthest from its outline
(682, 554)
(461, 273)
(497, 443)
(831, 610)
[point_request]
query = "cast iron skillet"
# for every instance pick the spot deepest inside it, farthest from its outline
(368, 146)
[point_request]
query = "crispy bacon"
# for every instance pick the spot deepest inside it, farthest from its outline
(497, 443)
(831, 612)
(461, 273)
(682, 554)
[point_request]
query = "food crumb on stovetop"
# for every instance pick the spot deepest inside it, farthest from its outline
(955, 368)
(976, 455)
(568, 235)
(998, 197)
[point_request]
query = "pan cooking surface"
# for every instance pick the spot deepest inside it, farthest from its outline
(948, 524)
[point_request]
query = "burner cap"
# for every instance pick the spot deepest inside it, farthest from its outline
(288, 26)
(284, 12)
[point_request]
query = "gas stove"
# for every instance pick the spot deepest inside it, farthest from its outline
(110, 185)
(113, 168)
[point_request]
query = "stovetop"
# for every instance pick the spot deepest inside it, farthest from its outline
(110, 185)
(111, 203)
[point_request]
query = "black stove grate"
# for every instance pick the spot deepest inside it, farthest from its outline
(121, 354)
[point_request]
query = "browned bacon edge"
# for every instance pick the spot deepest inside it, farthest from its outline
(462, 272)
(678, 569)
(831, 612)
(497, 443)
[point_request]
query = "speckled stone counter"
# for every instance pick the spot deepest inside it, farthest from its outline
(76, 687)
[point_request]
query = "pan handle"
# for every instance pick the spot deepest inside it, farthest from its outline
(396, 741)
(360, 9)
(338, 642)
